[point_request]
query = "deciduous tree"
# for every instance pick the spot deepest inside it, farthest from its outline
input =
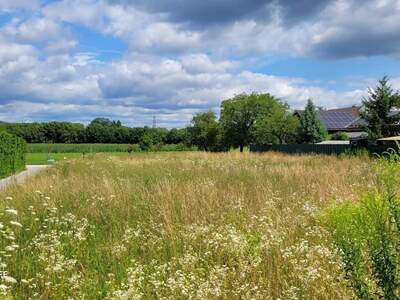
(239, 114)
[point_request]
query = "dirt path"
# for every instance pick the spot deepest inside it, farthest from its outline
(20, 177)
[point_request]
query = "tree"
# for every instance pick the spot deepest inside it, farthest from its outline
(377, 110)
(340, 136)
(279, 126)
(153, 139)
(239, 114)
(311, 128)
(205, 132)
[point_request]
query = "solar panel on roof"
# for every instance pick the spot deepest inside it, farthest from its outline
(336, 119)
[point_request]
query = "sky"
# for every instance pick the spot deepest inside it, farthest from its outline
(75, 60)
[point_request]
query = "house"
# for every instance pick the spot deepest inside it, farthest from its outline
(346, 119)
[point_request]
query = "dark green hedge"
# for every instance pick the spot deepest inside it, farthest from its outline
(12, 154)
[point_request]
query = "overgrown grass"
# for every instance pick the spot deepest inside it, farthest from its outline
(179, 226)
(368, 234)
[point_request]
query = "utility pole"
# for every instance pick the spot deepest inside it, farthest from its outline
(154, 122)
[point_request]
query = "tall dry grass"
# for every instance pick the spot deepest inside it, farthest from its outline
(178, 226)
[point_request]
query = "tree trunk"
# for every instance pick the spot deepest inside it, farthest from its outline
(241, 148)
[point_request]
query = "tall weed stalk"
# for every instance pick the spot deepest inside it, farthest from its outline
(368, 234)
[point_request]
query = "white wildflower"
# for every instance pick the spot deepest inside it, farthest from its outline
(9, 279)
(9, 198)
(16, 223)
(11, 211)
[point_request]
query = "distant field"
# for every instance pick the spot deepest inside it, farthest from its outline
(178, 226)
(43, 158)
(76, 148)
(95, 148)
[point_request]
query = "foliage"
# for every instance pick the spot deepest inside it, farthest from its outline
(377, 110)
(64, 132)
(178, 136)
(153, 139)
(100, 130)
(279, 126)
(239, 114)
(12, 154)
(206, 133)
(311, 128)
(340, 136)
(368, 235)
(177, 226)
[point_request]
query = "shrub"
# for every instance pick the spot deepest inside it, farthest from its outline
(12, 154)
(340, 136)
(368, 235)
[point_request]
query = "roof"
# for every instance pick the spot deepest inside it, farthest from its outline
(337, 119)
(340, 118)
(354, 110)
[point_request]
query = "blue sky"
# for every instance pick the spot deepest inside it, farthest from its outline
(131, 60)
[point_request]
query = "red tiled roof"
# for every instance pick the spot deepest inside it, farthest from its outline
(354, 110)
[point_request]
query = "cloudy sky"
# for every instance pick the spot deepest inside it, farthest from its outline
(134, 59)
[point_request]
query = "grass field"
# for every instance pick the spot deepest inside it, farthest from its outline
(101, 148)
(43, 158)
(179, 226)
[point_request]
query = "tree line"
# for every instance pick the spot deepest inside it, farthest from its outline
(100, 130)
(258, 118)
(245, 119)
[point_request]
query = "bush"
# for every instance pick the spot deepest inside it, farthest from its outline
(340, 136)
(368, 235)
(12, 154)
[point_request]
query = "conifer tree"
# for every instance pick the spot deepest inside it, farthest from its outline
(378, 110)
(311, 128)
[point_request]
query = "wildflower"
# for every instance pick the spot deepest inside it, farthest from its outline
(3, 287)
(16, 223)
(9, 279)
(11, 211)
(24, 281)
(9, 198)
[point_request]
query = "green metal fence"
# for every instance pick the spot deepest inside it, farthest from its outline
(317, 148)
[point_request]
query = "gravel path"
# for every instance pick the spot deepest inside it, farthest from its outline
(20, 177)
